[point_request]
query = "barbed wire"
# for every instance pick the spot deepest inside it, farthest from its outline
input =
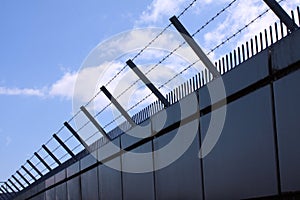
(124, 67)
(91, 136)
(152, 41)
(75, 147)
(147, 96)
(214, 17)
(84, 125)
(114, 120)
(179, 46)
(252, 21)
(157, 64)
(240, 30)
(187, 8)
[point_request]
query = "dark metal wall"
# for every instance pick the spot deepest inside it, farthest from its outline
(257, 154)
(287, 99)
(242, 164)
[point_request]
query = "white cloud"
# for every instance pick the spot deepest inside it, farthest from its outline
(159, 9)
(5, 140)
(21, 91)
(64, 87)
(8, 140)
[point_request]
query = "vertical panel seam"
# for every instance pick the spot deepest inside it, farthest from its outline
(275, 133)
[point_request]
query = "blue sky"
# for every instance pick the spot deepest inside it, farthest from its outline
(44, 43)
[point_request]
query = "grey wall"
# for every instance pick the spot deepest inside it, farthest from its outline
(287, 101)
(179, 180)
(242, 164)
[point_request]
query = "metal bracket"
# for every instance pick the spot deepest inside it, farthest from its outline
(196, 48)
(282, 15)
(148, 83)
(34, 167)
(42, 161)
(28, 183)
(51, 154)
(117, 105)
(93, 120)
(64, 146)
(18, 182)
(5, 189)
(10, 187)
(26, 170)
(14, 185)
(69, 127)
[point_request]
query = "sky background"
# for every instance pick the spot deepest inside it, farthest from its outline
(45, 43)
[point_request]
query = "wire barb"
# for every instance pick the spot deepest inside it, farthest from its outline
(240, 30)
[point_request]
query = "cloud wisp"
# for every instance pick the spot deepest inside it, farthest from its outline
(159, 9)
(21, 91)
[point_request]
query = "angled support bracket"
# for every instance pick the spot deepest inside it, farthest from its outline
(13, 191)
(51, 154)
(195, 47)
(28, 172)
(18, 181)
(14, 185)
(4, 189)
(93, 120)
(117, 105)
(148, 83)
(282, 15)
(64, 145)
(26, 181)
(42, 161)
(34, 167)
(70, 128)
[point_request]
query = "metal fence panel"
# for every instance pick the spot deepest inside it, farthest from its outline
(138, 185)
(89, 185)
(182, 178)
(242, 164)
(287, 98)
(73, 188)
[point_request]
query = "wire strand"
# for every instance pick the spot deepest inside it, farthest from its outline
(139, 53)
(214, 17)
(147, 96)
(240, 30)
(180, 45)
(187, 8)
